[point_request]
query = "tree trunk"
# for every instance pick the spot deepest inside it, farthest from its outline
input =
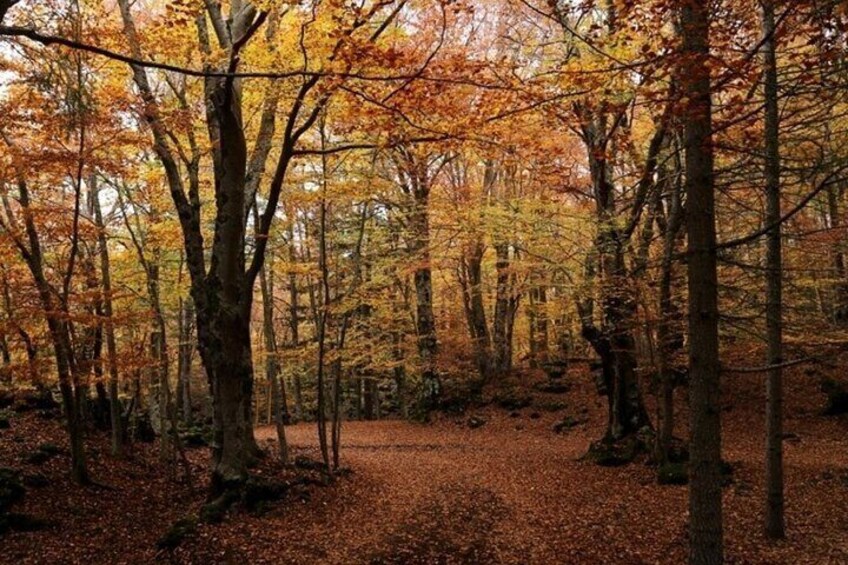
(669, 338)
(425, 319)
(272, 364)
(186, 352)
(471, 280)
(111, 348)
(705, 508)
(294, 325)
(774, 521)
(538, 321)
(501, 334)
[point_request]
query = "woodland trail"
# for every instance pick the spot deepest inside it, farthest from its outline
(512, 491)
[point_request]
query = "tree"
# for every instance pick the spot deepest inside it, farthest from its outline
(774, 284)
(705, 516)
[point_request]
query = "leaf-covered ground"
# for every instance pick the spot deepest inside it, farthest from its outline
(510, 491)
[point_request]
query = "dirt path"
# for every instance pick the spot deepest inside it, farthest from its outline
(511, 491)
(515, 492)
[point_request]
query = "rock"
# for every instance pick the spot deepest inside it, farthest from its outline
(535, 415)
(552, 406)
(614, 453)
(195, 437)
(673, 474)
(303, 462)
(512, 399)
(177, 533)
(515, 414)
(43, 453)
(258, 491)
(5, 424)
(837, 397)
(475, 422)
(36, 480)
(215, 511)
(25, 522)
(566, 423)
(553, 387)
(791, 438)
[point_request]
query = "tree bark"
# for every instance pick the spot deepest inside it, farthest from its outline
(705, 508)
(272, 364)
(774, 516)
(111, 348)
(471, 280)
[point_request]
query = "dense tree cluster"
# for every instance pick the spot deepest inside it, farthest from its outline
(233, 213)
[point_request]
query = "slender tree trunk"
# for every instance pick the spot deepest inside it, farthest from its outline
(111, 347)
(538, 318)
(705, 508)
(500, 325)
(774, 521)
(186, 352)
(294, 326)
(669, 338)
(272, 366)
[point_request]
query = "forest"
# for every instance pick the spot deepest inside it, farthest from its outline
(424, 281)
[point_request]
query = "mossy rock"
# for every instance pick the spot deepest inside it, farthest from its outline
(196, 437)
(673, 474)
(553, 387)
(215, 511)
(11, 489)
(258, 492)
(36, 480)
(50, 448)
(554, 406)
(307, 464)
(43, 453)
(608, 453)
(177, 533)
(512, 399)
(566, 423)
(25, 522)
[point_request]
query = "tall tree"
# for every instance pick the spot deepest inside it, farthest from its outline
(705, 515)
(774, 522)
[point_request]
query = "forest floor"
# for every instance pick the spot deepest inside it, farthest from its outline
(509, 491)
